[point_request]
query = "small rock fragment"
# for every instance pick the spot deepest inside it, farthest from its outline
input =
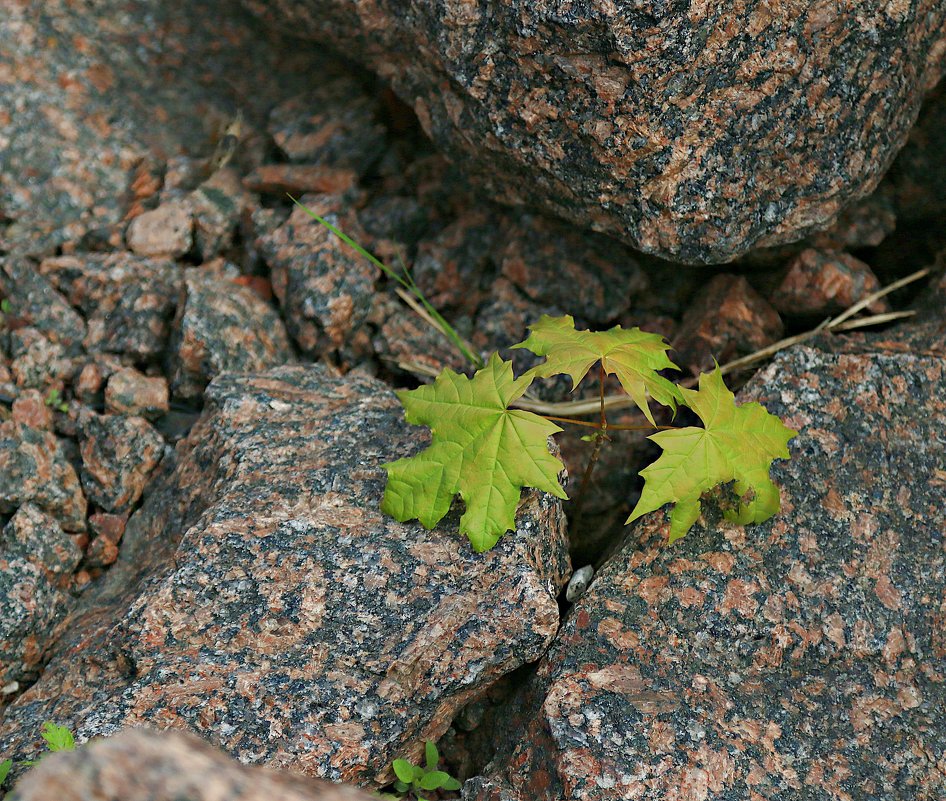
(33, 468)
(36, 559)
(35, 535)
(129, 300)
(164, 231)
(820, 282)
(217, 205)
(222, 326)
(556, 265)
(130, 392)
(37, 361)
(324, 287)
(30, 409)
(578, 583)
(300, 179)
(728, 319)
(34, 300)
(118, 455)
(454, 268)
(334, 124)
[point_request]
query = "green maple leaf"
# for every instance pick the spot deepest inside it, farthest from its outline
(632, 355)
(739, 443)
(481, 449)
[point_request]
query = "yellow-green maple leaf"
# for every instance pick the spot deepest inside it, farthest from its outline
(739, 443)
(632, 355)
(481, 449)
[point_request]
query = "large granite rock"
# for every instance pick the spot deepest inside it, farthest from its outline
(694, 130)
(142, 765)
(801, 658)
(262, 600)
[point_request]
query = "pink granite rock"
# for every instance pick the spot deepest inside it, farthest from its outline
(145, 765)
(36, 562)
(800, 658)
(33, 468)
(819, 282)
(132, 393)
(167, 230)
(262, 599)
(128, 300)
(693, 131)
(324, 287)
(118, 455)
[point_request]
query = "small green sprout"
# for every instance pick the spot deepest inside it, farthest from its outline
(54, 401)
(412, 779)
(5, 767)
(58, 738)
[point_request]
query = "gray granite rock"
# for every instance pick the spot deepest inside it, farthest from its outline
(801, 658)
(693, 131)
(118, 456)
(262, 600)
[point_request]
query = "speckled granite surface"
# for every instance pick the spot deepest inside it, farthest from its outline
(799, 659)
(262, 600)
(691, 130)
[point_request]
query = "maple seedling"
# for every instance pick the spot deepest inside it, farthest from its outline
(487, 452)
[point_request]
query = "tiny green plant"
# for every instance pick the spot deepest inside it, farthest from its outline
(412, 780)
(486, 451)
(57, 738)
(55, 401)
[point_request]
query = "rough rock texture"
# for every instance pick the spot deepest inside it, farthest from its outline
(262, 599)
(34, 300)
(691, 130)
(591, 276)
(222, 326)
(38, 362)
(36, 559)
(33, 468)
(801, 658)
(167, 230)
(143, 765)
(92, 111)
(333, 124)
